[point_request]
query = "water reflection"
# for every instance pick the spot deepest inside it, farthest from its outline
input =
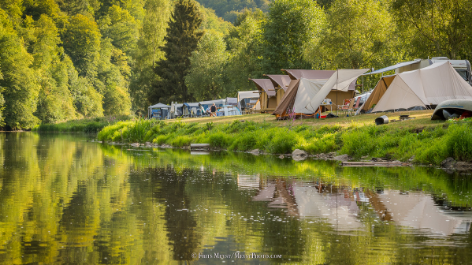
(66, 200)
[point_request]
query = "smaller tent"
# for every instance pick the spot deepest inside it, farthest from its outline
(425, 87)
(267, 96)
(159, 111)
(377, 93)
(176, 110)
(281, 83)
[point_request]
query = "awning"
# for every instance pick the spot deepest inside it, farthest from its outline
(190, 105)
(393, 67)
(159, 106)
(266, 85)
(296, 74)
(280, 80)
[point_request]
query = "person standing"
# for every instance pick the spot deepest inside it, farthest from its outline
(213, 110)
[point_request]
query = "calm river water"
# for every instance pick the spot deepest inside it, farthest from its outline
(66, 200)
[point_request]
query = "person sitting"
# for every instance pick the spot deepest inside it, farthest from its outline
(213, 110)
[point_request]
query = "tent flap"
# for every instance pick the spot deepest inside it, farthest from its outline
(337, 81)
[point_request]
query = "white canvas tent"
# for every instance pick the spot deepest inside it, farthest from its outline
(339, 80)
(424, 87)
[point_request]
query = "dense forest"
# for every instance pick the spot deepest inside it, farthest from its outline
(70, 59)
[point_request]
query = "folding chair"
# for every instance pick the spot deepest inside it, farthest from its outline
(345, 106)
(350, 108)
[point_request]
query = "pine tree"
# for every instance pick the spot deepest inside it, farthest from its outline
(181, 40)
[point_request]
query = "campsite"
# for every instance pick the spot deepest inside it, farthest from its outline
(235, 132)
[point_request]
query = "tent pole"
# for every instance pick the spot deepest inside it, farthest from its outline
(362, 86)
(337, 76)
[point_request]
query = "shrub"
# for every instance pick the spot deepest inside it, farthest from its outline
(246, 141)
(357, 143)
(459, 142)
(181, 140)
(220, 139)
(283, 142)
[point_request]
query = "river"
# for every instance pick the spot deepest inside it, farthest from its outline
(67, 200)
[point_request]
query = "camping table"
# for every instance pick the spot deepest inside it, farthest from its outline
(330, 106)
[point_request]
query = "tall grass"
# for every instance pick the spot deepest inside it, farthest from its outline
(429, 146)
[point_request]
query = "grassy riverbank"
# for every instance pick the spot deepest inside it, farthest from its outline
(92, 125)
(428, 142)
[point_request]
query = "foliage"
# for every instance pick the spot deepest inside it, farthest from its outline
(181, 40)
(229, 9)
(205, 77)
(290, 27)
(436, 28)
(151, 36)
(354, 40)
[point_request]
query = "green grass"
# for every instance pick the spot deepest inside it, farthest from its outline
(91, 125)
(428, 144)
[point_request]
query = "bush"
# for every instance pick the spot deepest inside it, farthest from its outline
(283, 142)
(180, 141)
(220, 139)
(246, 141)
(357, 143)
(459, 142)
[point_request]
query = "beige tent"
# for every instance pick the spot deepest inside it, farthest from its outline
(302, 91)
(337, 97)
(298, 95)
(281, 83)
(341, 80)
(428, 86)
(377, 93)
(267, 99)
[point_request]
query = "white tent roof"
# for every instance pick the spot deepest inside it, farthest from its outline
(339, 80)
(159, 106)
(428, 86)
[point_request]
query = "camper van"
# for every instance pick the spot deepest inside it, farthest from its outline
(461, 66)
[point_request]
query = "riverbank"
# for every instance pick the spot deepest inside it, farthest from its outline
(91, 125)
(418, 140)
